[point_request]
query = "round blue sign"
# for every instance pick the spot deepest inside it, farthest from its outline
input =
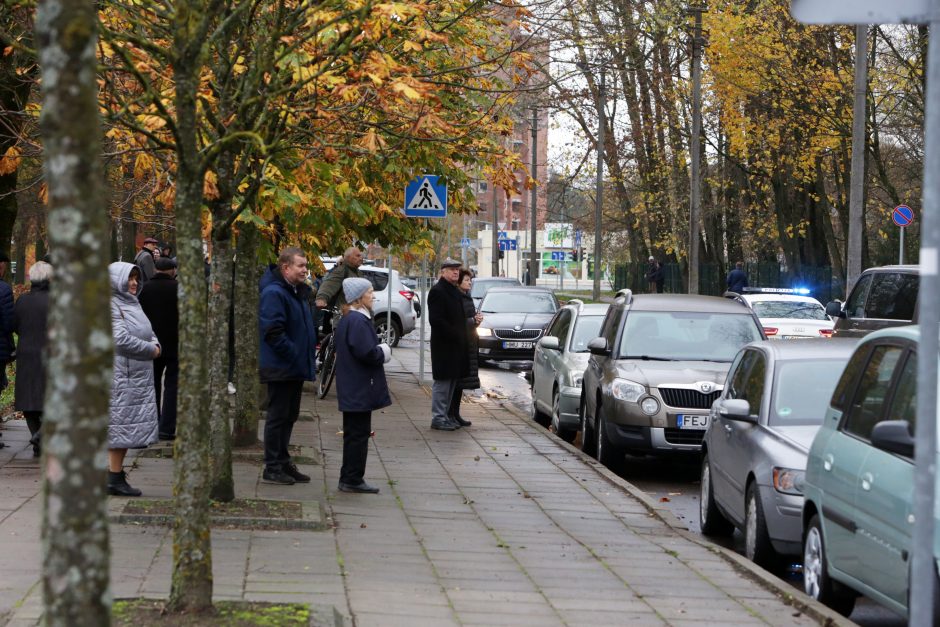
(902, 215)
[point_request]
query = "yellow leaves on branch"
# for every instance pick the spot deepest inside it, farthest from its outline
(151, 122)
(372, 141)
(402, 87)
(210, 187)
(143, 166)
(10, 161)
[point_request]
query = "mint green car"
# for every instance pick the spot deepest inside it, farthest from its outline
(858, 508)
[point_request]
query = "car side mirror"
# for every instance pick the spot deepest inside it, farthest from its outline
(736, 409)
(598, 346)
(550, 342)
(893, 436)
(834, 309)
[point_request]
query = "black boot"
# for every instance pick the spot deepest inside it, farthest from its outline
(36, 441)
(118, 486)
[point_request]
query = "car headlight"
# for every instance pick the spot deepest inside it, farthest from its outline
(629, 391)
(789, 481)
(575, 378)
(650, 406)
(484, 332)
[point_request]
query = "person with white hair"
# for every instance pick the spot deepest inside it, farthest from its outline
(30, 323)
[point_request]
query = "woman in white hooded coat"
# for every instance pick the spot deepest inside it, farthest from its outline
(133, 406)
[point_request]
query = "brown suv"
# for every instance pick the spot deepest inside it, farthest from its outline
(882, 297)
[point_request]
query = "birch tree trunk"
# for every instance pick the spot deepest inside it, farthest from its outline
(247, 347)
(75, 551)
(191, 587)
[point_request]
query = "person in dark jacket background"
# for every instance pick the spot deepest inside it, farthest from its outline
(472, 380)
(7, 347)
(360, 381)
(30, 323)
(288, 354)
(160, 301)
(145, 259)
(737, 278)
(450, 360)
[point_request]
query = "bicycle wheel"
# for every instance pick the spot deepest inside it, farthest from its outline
(327, 370)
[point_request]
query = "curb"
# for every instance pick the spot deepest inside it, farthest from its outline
(792, 596)
(311, 519)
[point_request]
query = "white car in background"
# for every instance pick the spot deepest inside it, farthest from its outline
(787, 313)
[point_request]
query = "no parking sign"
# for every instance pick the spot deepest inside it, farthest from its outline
(902, 215)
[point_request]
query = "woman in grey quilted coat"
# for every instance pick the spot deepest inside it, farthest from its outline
(133, 407)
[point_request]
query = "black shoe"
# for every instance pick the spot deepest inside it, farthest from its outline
(442, 425)
(277, 476)
(118, 486)
(166, 437)
(361, 488)
(460, 421)
(296, 475)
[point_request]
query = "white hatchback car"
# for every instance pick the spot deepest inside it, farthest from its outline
(787, 314)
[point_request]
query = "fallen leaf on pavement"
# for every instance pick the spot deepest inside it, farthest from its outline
(664, 499)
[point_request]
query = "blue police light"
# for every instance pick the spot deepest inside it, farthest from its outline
(802, 291)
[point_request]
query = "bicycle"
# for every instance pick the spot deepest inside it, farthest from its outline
(327, 363)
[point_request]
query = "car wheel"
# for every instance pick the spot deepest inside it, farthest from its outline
(588, 442)
(607, 453)
(710, 518)
(380, 323)
(816, 581)
(757, 546)
(567, 435)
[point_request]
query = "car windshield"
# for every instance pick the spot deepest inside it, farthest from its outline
(586, 329)
(789, 309)
(515, 302)
(480, 287)
(686, 336)
(802, 390)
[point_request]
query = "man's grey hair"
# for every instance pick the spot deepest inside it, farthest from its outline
(349, 251)
(41, 271)
(287, 255)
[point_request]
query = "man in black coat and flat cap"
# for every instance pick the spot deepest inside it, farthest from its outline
(450, 360)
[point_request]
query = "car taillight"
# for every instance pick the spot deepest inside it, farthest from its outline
(770, 331)
(825, 332)
(407, 294)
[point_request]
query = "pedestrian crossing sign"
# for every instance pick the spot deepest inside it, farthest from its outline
(426, 197)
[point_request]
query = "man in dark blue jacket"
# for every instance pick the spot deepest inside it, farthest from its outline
(288, 353)
(737, 278)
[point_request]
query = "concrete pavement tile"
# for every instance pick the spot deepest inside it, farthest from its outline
(497, 620)
(589, 618)
(380, 619)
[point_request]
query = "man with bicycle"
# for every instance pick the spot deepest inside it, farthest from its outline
(288, 356)
(330, 293)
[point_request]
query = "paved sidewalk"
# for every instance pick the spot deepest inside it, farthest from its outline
(497, 524)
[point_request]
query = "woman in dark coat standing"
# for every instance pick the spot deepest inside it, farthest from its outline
(472, 380)
(30, 317)
(360, 381)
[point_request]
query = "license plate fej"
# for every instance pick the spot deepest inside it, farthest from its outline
(692, 421)
(518, 344)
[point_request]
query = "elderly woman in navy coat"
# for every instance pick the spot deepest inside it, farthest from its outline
(360, 381)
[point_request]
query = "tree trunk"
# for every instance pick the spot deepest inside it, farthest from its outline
(221, 484)
(247, 385)
(191, 588)
(75, 550)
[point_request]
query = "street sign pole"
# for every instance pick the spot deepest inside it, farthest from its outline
(901, 252)
(388, 321)
(923, 568)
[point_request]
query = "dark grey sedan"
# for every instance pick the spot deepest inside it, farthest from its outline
(514, 318)
(759, 434)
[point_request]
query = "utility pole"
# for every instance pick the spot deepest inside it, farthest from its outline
(463, 249)
(599, 193)
(534, 264)
(695, 148)
(857, 183)
(495, 264)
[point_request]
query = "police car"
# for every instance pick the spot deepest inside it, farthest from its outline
(786, 313)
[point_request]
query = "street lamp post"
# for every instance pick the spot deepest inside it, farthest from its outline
(599, 194)
(695, 148)
(534, 266)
